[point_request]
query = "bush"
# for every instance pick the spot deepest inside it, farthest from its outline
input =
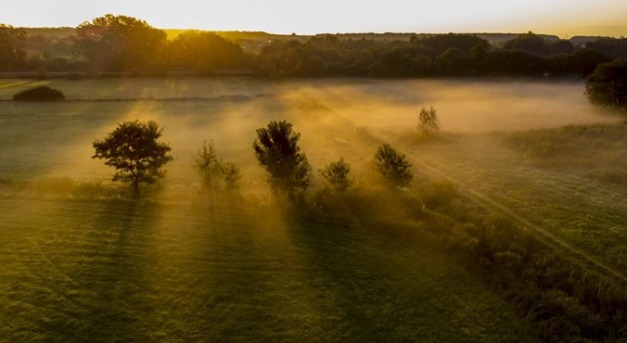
(41, 93)
(336, 175)
(429, 123)
(214, 171)
(393, 166)
(608, 84)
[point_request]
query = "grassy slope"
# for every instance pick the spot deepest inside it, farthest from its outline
(114, 271)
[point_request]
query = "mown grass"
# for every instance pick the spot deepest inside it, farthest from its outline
(119, 271)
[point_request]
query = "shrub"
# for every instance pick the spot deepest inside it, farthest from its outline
(608, 84)
(214, 171)
(429, 123)
(394, 167)
(336, 175)
(41, 93)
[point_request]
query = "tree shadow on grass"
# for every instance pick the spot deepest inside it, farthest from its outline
(116, 261)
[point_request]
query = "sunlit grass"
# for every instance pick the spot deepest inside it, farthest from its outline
(122, 271)
(185, 265)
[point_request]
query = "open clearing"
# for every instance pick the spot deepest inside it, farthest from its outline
(170, 271)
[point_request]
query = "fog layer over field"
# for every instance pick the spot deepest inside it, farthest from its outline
(187, 264)
(336, 118)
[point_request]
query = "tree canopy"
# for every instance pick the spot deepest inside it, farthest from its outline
(277, 150)
(119, 43)
(608, 84)
(12, 53)
(204, 52)
(393, 166)
(134, 151)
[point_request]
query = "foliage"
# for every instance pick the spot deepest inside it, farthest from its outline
(428, 121)
(528, 42)
(40, 93)
(394, 167)
(608, 84)
(277, 150)
(336, 175)
(116, 43)
(12, 45)
(214, 171)
(133, 150)
(204, 52)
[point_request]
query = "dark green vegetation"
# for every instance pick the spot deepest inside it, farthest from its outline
(277, 150)
(335, 174)
(428, 121)
(133, 150)
(393, 166)
(215, 173)
(122, 45)
(40, 93)
(186, 262)
(608, 84)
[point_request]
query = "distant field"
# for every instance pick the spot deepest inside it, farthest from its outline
(169, 271)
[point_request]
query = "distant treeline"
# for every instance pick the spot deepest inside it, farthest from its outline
(125, 44)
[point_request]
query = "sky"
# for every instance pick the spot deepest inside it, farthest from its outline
(565, 18)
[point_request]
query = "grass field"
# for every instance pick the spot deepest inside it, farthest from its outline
(169, 269)
(85, 271)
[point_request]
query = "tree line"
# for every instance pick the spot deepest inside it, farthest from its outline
(134, 150)
(129, 45)
(126, 44)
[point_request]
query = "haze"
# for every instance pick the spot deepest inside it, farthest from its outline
(562, 17)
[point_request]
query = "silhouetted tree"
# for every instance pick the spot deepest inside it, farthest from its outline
(394, 167)
(584, 61)
(133, 150)
(12, 42)
(530, 43)
(336, 175)
(277, 150)
(428, 121)
(608, 84)
(204, 52)
(119, 43)
(214, 171)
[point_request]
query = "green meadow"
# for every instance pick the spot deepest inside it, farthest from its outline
(79, 262)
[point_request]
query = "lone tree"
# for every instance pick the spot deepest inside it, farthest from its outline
(132, 149)
(394, 167)
(213, 170)
(607, 85)
(277, 150)
(429, 123)
(336, 175)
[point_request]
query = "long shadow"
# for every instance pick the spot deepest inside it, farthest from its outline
(372, 297)
(340, 266)
(236, 302)
(113, 275)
